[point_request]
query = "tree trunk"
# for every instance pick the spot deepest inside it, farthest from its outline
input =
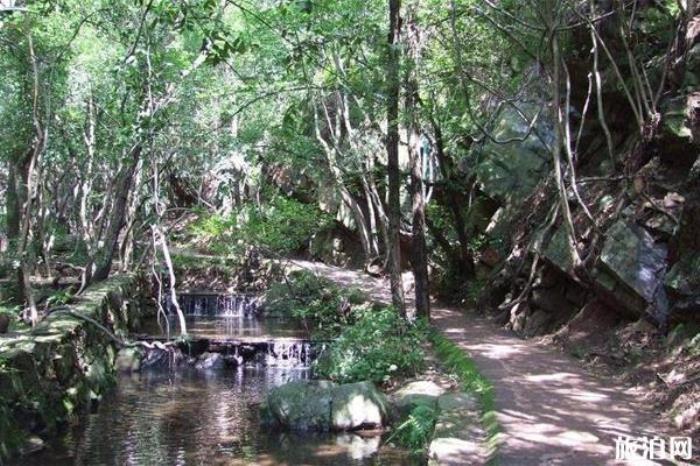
(419, 255)
(392, 149)
(105, 256)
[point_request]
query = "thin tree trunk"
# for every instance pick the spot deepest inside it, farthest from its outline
(105, 257)
(557, 144)
(419, 254)
(392, 148)
(455, 201)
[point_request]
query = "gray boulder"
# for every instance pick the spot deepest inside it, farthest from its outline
(683, 284)
(414, 394)
(632, 268)
(321, 406)
(302, 405)
(509, 172)
(358, 405)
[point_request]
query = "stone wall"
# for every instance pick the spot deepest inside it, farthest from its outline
(65, 364)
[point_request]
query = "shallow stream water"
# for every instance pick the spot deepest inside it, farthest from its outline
(194, 417)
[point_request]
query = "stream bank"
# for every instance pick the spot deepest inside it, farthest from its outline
(65, 365)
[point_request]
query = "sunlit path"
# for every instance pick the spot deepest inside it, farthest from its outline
(551, 411)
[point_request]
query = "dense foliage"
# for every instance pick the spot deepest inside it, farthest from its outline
(282, 227)
(368, 341)
(321, 304)
(379, 346)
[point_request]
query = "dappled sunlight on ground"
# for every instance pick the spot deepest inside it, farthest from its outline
(551, 410)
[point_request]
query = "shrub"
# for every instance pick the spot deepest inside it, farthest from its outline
(378, 346)
(319, 302)
(415, 432)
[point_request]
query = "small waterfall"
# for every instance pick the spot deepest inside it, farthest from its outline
(290, 354)
(216, 305)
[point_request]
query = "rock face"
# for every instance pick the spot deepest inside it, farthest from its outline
(632, 267)
(356, 406)
(683, 280)
(510, 171)
(683, 283)
(323, 406)
(65, 363)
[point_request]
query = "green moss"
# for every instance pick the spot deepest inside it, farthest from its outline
(49, 374)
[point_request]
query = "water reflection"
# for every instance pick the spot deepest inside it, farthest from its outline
(194, 417)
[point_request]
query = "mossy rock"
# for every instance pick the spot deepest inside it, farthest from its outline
(300, 406)
(358, 405)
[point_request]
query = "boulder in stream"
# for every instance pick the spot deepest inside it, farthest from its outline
(320, 405)
(358, 405)
(303, 405)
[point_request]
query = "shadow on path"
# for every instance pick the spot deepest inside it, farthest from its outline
(551, 410)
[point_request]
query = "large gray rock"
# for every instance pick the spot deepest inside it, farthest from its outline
(509, 172)
(683, 284)
(537, 323)
(322, 406)
(301, 405)
(632, 267)
(557, 251)
(358, 405)
(414, 394)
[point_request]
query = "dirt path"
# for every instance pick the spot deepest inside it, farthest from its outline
(551, 410)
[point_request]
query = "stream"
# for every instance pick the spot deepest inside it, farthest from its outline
(187, 416)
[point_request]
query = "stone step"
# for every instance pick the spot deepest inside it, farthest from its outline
(459, 438)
